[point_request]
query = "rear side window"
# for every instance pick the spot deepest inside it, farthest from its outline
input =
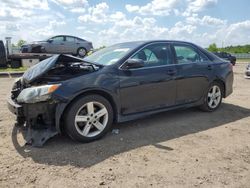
(187, 54)
(70, 39)
(154, 55)
(80, 40)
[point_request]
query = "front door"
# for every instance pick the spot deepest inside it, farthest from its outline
(56, 45)
(152, 86)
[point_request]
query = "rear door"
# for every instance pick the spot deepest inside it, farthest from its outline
(193, 72)
(70, 45)
(152, 86)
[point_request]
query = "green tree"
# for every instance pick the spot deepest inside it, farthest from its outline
(213, 48)
(20, 43)
(236, 49)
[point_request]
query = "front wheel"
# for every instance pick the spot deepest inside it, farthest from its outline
(213, 97)
(89, 118)
(37, 49)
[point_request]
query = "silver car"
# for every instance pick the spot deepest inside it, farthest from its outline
(247, 73)
(61, 44)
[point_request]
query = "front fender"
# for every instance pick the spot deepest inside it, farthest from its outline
(59, 112)
(61, 107)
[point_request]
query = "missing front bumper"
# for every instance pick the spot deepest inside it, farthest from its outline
(36, 120)
(14, 107)
(37, 137)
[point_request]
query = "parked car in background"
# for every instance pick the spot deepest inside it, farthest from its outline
(116, 84)
(247, 73)
(226, 56)
(3, 57)
(61, 44)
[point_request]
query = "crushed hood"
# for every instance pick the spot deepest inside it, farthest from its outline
(44, 66)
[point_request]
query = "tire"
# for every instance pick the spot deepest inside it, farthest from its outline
(81, 52)
(83, 124)
(213, 97)
(42, 50)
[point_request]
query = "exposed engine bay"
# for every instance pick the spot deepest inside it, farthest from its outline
(63, 71)
(58, 68)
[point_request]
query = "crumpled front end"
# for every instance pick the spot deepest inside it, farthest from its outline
(37, 97)
(36, 118)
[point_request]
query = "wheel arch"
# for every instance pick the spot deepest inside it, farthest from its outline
(61, 109)
(220, 81)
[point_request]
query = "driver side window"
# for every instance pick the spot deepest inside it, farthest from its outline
(154, 55)
(58, 39)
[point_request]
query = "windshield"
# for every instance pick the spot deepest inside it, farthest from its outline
(110, 55)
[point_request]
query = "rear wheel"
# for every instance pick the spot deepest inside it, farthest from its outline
(89, 118)
(82, 52)
(213, 97)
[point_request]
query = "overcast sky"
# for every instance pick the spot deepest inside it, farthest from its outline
(225, 22)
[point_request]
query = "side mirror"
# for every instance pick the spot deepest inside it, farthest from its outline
(50, 40)
(134, 63)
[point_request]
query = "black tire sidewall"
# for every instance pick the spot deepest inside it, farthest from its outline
(73, 109)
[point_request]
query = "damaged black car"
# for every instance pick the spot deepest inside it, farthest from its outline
(83, 97)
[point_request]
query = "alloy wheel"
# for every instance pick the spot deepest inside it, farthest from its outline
(82, 52)
(214, 96)
(91, 119)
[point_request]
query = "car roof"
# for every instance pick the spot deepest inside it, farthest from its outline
(67, 36)
(143, 42)
(138, 44)
(208, 54)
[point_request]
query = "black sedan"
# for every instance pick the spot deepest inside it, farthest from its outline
(226, 56)
(83, 97)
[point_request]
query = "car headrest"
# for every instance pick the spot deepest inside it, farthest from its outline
(142, 55)
(162, 54)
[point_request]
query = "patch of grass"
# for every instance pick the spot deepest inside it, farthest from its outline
(243, 60)
(13, 69)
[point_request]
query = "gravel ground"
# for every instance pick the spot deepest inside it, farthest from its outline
(183, 148)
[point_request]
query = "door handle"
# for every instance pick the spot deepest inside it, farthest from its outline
(209, 67)
(171, 72)
(62, 43)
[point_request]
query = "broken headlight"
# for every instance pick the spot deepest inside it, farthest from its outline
(37, 94)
